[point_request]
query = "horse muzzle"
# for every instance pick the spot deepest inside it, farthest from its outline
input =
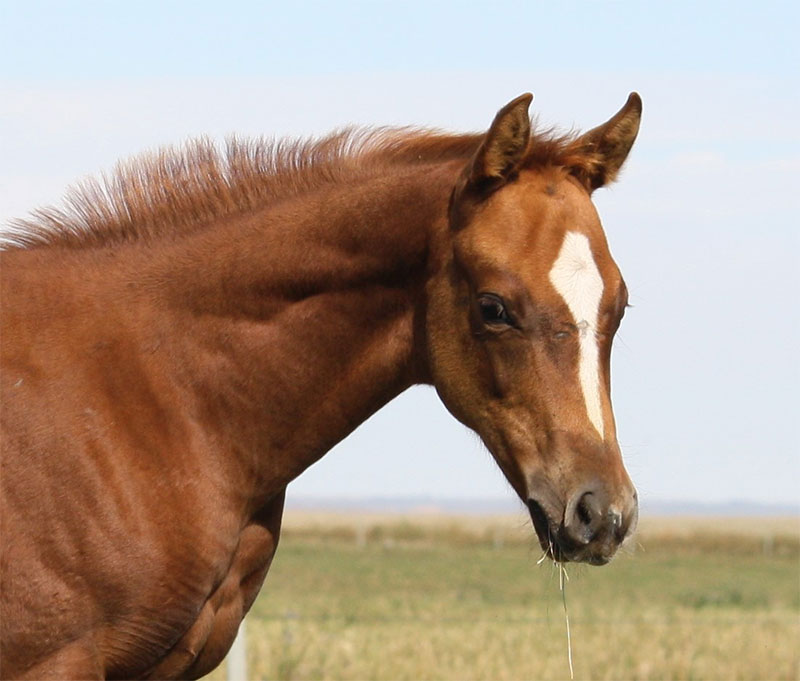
(588, 528)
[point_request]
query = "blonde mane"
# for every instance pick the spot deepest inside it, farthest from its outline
(175, 190)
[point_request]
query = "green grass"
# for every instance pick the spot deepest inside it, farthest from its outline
(420, 606)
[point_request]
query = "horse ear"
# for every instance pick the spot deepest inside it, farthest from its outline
(503, 146)
(603, 150)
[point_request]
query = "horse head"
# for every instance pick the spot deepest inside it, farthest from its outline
(522, 309)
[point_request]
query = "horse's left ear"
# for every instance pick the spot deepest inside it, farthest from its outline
(603, 150)
(503, 147)
(496, 160)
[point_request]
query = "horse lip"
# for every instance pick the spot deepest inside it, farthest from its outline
(553, 542)
(546, 532)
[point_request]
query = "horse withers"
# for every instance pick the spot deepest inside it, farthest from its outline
(186, 337)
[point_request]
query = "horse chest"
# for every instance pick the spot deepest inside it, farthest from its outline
(210, 634)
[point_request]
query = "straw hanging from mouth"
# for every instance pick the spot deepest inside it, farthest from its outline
(563, 578)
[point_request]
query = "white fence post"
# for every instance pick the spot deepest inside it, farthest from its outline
(237, 656)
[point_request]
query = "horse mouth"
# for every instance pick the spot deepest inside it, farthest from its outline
(556, 545)
(545, 532)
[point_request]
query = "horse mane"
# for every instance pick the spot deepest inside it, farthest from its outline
(176, 190)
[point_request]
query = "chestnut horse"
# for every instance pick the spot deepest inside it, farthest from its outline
(183, 340)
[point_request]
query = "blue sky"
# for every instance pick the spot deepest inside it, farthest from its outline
(88, 40)
(703, 221)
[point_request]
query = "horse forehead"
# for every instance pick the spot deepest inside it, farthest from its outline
(531, 222)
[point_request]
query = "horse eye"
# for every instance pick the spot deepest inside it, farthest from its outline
(493, 309)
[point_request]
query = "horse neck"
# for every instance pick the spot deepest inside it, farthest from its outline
(300, 321)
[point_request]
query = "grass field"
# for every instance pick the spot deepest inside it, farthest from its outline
(425, 597)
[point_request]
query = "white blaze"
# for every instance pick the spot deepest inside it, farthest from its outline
(576, 278)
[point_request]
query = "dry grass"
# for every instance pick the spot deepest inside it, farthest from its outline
(516, 528)
(431, 597)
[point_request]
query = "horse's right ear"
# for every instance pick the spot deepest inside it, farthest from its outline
(605, 148)
(503, 147)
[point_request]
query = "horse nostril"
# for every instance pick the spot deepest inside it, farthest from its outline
(583, 511)
(615, 517)
(584, 517)
(595, 523)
